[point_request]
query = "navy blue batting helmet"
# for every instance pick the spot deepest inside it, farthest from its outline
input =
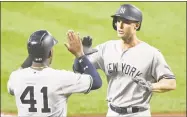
(39, 45)
(128, 12)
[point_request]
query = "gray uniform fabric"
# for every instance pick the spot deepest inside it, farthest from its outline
(121, 66)
(58, 85)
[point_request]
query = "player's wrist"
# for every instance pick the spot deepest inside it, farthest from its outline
(80, 59)
(155, 86)
(79, 54)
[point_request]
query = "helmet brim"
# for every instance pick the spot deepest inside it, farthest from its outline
(55, 41)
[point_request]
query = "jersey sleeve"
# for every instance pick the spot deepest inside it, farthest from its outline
(160, 69)
(97, 58)
(76, 83)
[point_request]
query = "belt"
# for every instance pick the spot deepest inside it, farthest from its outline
(123, 110)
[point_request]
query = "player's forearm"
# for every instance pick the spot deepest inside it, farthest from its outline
(88, 68)
(164, 85)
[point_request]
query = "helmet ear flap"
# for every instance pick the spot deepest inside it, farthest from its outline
(114, 23)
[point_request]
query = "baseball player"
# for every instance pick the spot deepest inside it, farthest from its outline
(134, 69)
(42, 91)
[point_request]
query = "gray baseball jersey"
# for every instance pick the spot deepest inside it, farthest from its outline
(121, 66)
(45, 93)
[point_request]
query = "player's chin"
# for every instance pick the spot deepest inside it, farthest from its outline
(120, 35)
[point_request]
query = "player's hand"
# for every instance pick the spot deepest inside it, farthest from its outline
(87, 45)
(143, 83)
(74, 44)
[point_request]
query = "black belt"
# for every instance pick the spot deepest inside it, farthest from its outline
(123, 110)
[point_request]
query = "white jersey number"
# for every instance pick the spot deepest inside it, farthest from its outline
(32, 102)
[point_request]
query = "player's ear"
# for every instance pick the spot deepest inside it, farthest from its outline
(137, 25)
(50, 53)
(50, 57)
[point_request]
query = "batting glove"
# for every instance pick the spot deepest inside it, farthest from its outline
(87, 45)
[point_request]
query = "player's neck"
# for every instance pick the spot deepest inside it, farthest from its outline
(39, 65)
(130, 42)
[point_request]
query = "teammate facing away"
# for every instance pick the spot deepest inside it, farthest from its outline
(134, 69)
(42, 91)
